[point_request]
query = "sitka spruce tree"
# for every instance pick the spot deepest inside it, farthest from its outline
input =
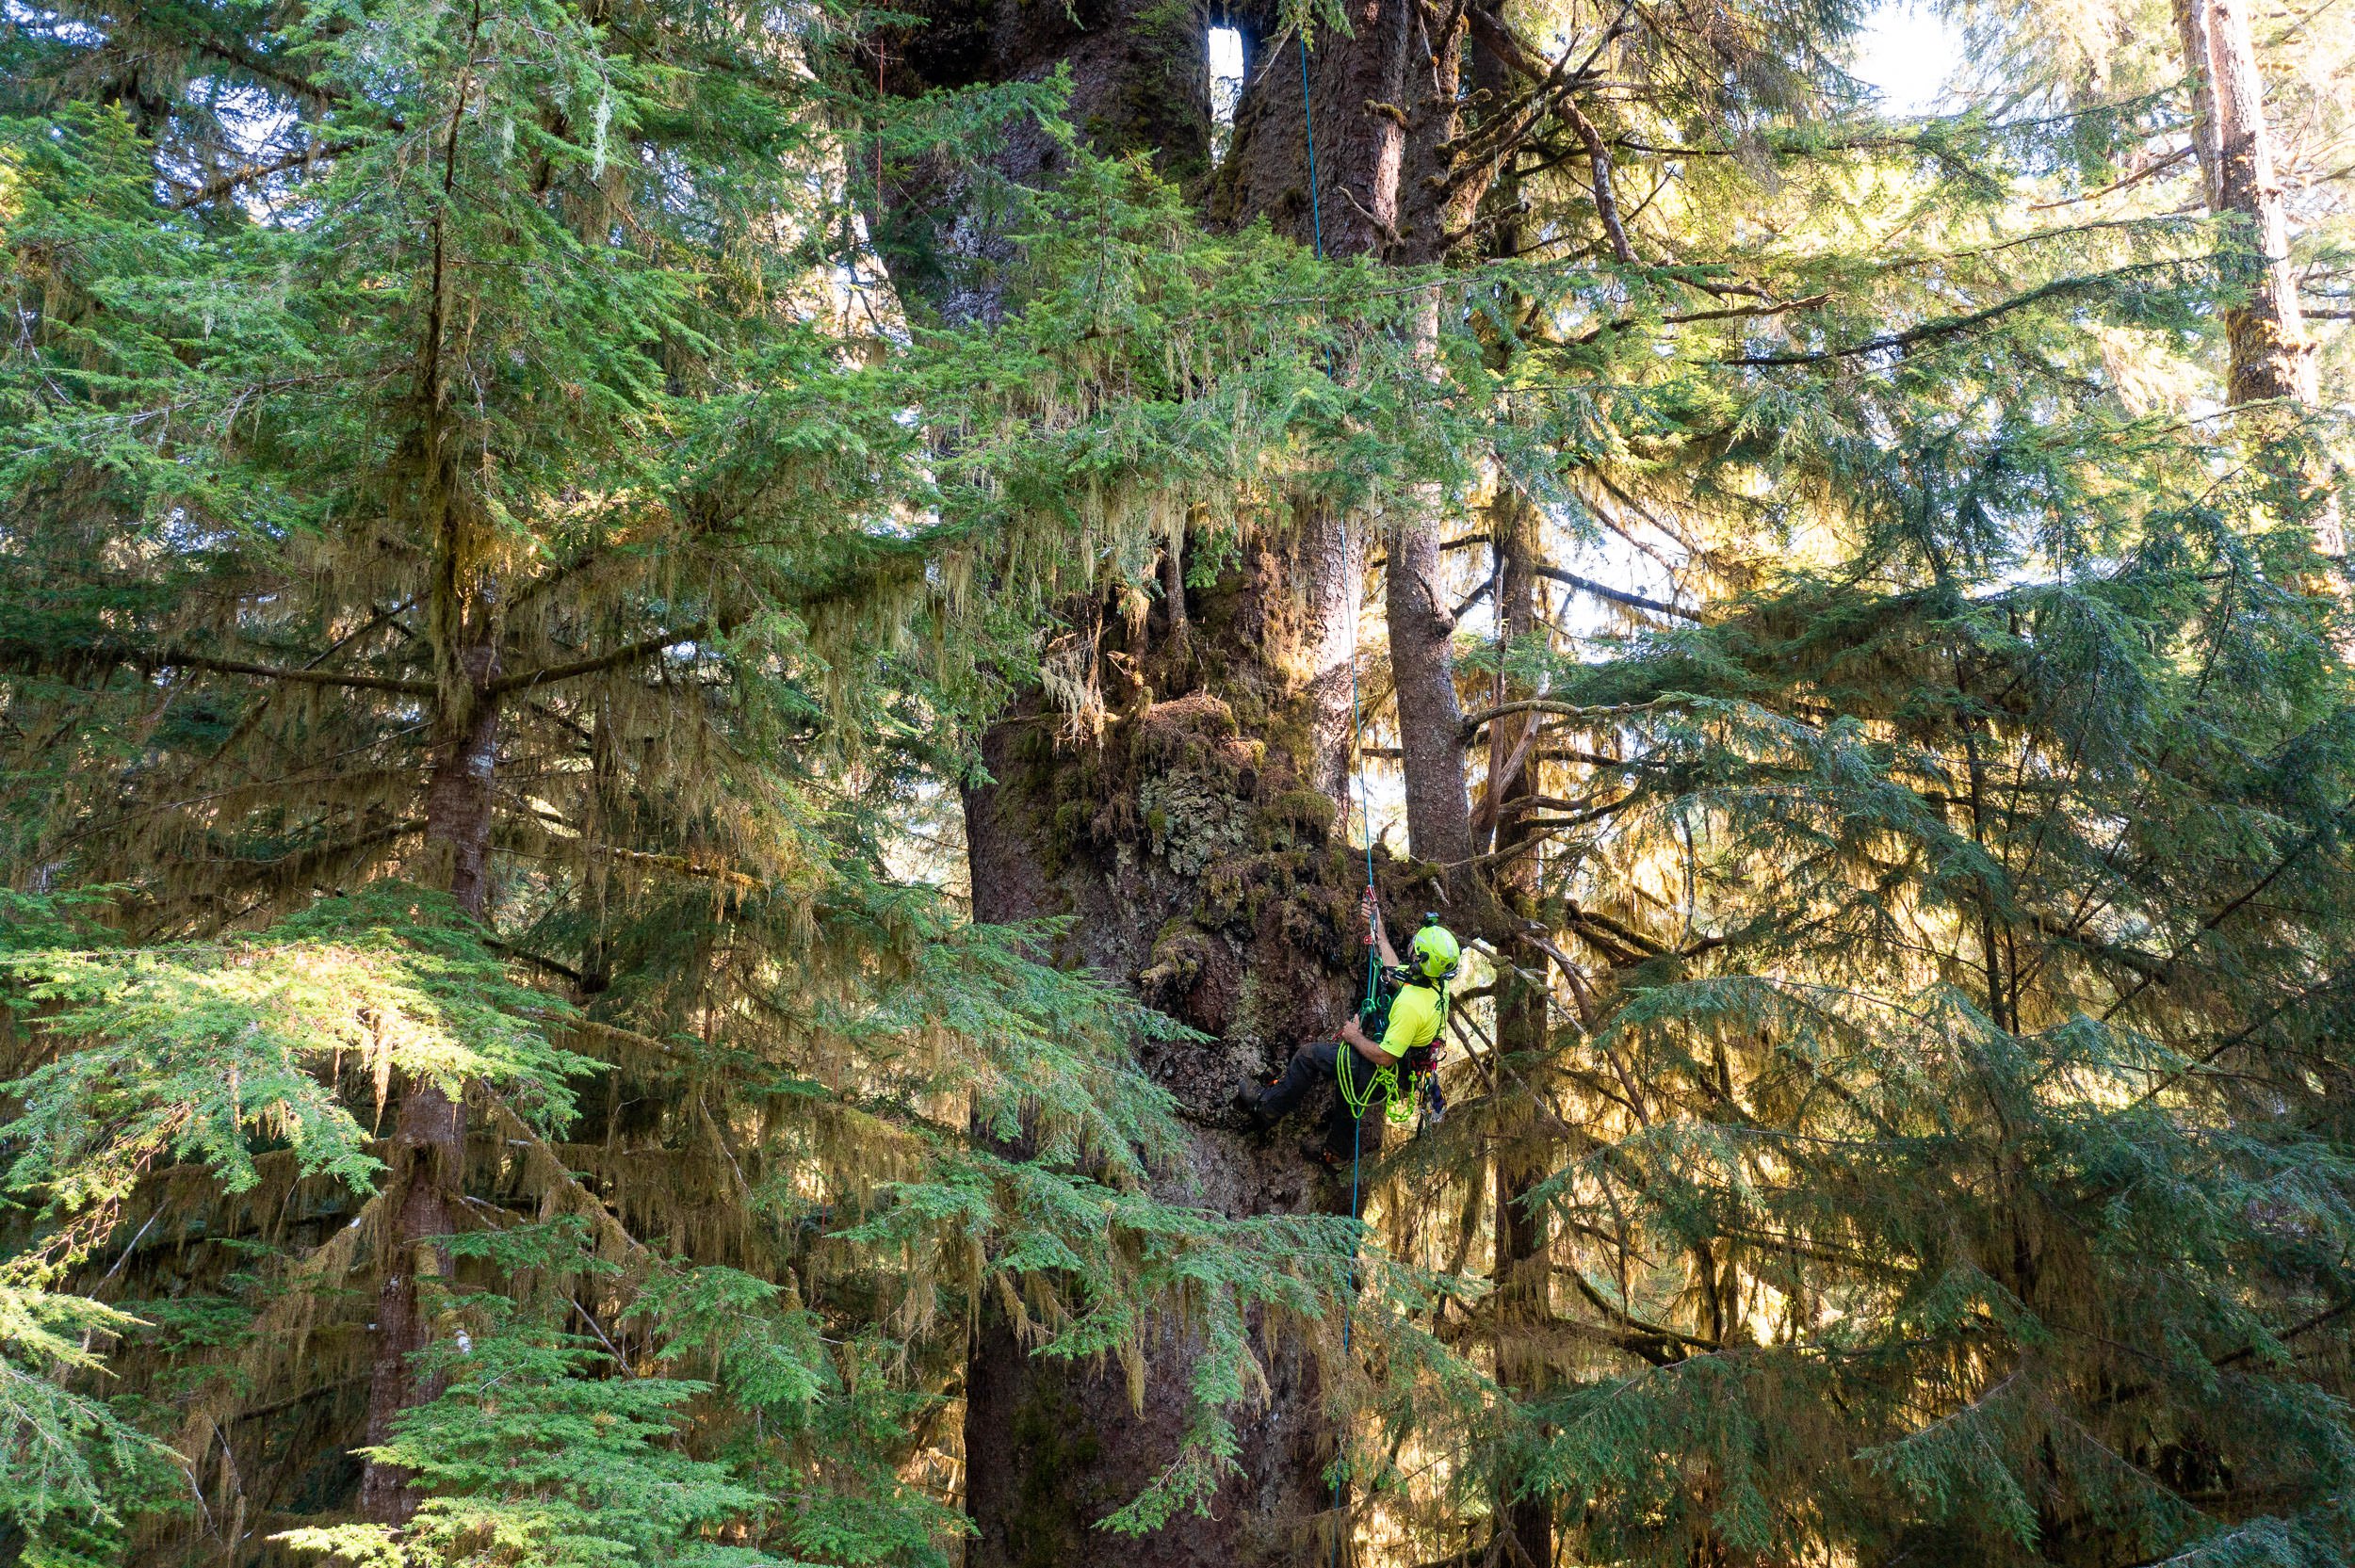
(681, 685)
(475, 635)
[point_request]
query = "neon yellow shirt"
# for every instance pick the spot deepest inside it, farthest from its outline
(1415, 1017)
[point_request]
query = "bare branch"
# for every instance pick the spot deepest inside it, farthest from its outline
(1617, 595)
(228, 180)
(1572, 710)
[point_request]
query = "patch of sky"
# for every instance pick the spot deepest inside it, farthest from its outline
(1225, 87)
(1906, 52)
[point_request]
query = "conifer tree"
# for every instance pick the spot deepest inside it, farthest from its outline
(440, 450)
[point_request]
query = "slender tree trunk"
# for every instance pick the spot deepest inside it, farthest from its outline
(427, 1157)
(1522, 1273)
(1330, 570)
(2191, 30)
(1429, 719)
(428, 1153)
(428, 1144)
(2271, 357)
(2272, 360)
(459, 807)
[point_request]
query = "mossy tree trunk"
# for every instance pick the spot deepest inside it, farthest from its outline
(1387, 183)
(1198, 842)
(1195, 843)
(426, 1154)
(1197, 839)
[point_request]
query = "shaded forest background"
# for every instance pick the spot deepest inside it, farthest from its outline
(682, 684)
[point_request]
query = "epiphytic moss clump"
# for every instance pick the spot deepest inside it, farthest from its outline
(1181, 952)
(1301, 818)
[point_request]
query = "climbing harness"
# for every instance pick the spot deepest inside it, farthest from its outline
(1409, 1085)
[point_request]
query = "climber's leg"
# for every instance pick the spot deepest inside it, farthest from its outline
(1311, 1065)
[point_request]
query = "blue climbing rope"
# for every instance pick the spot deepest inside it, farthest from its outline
(1308, 122)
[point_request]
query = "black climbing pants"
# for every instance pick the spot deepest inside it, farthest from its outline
(1311, 1065)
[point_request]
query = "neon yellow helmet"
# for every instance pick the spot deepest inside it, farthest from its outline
(1434, 951)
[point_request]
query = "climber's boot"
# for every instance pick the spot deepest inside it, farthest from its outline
(1251, 1099)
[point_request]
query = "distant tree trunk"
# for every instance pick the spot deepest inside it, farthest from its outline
(2271, 357)
(1429, 719)
(2272, 360)
(429, 1146)
(1524, 1277)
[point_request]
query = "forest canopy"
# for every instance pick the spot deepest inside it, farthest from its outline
(682, 684)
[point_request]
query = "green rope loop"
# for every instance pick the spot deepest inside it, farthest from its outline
(1385, 1079)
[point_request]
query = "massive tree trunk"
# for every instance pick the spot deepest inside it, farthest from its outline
(1202, 842)
(2272, 360)
(1139, 81)
(1199, 840)
(1355, 81)
(1385, 115)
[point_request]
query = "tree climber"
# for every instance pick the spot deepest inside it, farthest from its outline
(1397, 1026)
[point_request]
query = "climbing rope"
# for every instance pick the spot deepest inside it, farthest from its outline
(1385, 1081)
(1308, 122)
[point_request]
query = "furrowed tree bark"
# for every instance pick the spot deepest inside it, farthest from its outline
(1384, 102)
(1356, 82)
(2271, 358)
